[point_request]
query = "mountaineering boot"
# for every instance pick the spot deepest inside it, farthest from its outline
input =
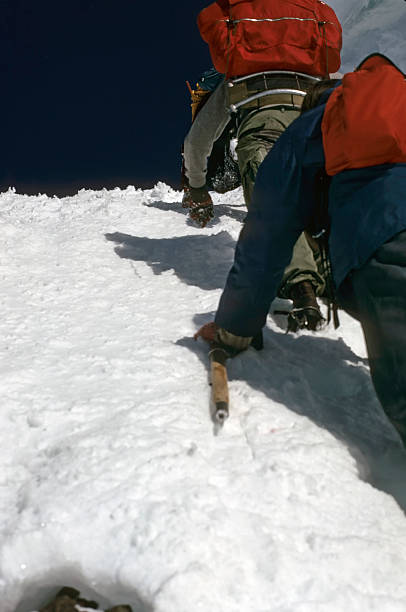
(305, 313)
(199, 203)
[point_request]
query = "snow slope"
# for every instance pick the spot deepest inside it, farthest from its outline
(114, 479)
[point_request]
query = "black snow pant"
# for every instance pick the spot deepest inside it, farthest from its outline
(375, 294)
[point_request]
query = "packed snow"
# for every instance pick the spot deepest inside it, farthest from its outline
(114, 479)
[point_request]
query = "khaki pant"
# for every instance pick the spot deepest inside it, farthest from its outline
(257, 135)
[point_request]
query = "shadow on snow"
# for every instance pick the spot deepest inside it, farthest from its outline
(317, 377)
(322, 379)
(201, 260)
(39, 592)
(220, 210)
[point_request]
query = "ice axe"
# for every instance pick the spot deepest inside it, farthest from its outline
(219, 382)
(218, 355)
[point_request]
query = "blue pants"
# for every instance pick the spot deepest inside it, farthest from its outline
(375, 294)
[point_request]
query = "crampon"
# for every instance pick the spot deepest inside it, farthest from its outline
(305, 313)
(305, 318)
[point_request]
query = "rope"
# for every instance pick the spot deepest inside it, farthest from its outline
(323, 224)
(332, 306)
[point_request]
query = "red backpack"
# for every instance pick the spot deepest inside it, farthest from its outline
(249, 36)
(364, 121)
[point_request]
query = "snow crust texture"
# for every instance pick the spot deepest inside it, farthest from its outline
(114, 479)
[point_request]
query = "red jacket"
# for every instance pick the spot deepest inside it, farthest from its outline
(248, 36)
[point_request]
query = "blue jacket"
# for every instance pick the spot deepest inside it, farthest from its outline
(367, 207)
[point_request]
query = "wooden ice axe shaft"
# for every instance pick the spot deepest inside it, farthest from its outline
(219, 382)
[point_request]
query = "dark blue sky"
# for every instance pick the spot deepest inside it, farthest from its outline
(94, 91)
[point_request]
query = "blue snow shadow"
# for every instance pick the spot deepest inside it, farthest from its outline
(220, 210)
(324, 380)
(39, 592)
(201, 260)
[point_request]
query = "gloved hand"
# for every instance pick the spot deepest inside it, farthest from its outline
(213, 334)
(208, 331)
(200, 204)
